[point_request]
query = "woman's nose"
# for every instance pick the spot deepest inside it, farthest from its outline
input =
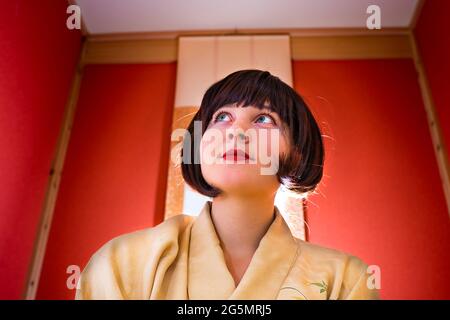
(239, 135)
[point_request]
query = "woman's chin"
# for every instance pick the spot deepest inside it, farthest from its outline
(231, 175)
(244, 183)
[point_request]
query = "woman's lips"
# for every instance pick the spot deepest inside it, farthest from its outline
(235, 154)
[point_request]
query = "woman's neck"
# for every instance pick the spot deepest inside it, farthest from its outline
(241, 222)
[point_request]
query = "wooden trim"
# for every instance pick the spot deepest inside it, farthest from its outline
(182, 116)
(433, 122)
(40, 243)
(334, 32)
(131, 51)
(351, 47)
(305, 219)
(224, 32)
(416, 16)
(313, 47)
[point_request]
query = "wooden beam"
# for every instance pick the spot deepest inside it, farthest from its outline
(131, 51)
(294, 32)
(433, 122)
(308, 46)
(40, 243)
(351, 47)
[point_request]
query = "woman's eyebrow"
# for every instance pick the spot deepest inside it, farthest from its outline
(265, 108)
(234, 107)
(268, 109)
(272, 112)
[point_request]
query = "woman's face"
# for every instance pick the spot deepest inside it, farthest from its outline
(240, 149)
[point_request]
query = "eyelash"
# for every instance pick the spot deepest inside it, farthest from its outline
(261, 114)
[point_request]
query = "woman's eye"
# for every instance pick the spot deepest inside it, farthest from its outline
(265, 119)
(222, 117)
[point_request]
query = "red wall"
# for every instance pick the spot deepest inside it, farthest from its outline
(38, 55)
(114, 178)
(433, 39)
(381, 198)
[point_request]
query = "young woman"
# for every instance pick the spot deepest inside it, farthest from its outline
(239, 247)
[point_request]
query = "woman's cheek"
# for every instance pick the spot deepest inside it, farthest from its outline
(269, 142)
(283, 144)
(211, 146)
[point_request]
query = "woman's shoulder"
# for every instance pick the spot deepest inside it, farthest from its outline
(317, 250)
(126, 257)
(338, 262)
(347, 272)
(164, 233)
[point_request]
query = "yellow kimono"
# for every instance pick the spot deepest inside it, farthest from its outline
(181, 258)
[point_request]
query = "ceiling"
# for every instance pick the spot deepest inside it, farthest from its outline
(133, 16)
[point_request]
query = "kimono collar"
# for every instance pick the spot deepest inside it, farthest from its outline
(208, 274)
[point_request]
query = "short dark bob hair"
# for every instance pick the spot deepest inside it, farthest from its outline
(301, 170)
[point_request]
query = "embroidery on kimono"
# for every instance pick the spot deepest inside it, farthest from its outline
(300, 297)
(322, 285)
